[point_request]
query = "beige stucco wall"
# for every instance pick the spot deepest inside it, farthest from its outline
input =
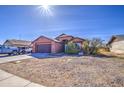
(117, 47)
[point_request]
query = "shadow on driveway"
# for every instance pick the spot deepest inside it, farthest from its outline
(4, 55)
(49, 55)
(57, 55)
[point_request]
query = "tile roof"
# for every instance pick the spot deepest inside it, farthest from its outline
(63, 35)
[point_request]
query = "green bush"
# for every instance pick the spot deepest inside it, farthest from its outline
(72, 48)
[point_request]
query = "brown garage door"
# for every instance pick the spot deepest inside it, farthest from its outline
(44, 48)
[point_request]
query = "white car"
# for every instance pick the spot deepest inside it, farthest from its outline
(25, 50)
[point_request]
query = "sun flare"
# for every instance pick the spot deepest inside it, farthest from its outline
(46, 7)
(45, 10)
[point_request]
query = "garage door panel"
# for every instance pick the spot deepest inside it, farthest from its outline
(44, 48)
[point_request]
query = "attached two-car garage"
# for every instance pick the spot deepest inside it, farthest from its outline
(43, 48)
(46, 45)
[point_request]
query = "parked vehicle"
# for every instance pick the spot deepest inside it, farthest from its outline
(8, 50)
(28, 50)
(25, 50)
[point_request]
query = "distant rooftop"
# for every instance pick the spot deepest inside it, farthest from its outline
(18, 42)
(118, 37)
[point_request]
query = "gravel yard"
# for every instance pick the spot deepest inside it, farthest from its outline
(70, 71)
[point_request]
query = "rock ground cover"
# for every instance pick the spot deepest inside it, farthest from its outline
(68, 71)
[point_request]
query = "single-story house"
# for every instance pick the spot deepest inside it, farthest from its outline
(18, 43)
(116, 44)
(47, 45)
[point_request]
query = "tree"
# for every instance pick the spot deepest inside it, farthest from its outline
(95, 43)
(91, 46)
(85, 47)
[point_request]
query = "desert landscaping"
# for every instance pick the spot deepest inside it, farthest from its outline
(70, 71)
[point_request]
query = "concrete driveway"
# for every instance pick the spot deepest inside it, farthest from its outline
(5, 58)
(14, 58)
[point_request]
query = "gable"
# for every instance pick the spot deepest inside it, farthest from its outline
(116, 38)
(63, 36)
(43, 39)
(7, 42)
(77, 40)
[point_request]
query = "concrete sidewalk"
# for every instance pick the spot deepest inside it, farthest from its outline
(14, 58)
(10, 80)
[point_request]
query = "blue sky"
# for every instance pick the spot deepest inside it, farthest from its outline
(28, 23)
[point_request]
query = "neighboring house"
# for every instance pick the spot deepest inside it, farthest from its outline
(47, 45)
(17, 43)
(116, 44)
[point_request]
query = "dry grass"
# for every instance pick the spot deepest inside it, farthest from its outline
(70, 71)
